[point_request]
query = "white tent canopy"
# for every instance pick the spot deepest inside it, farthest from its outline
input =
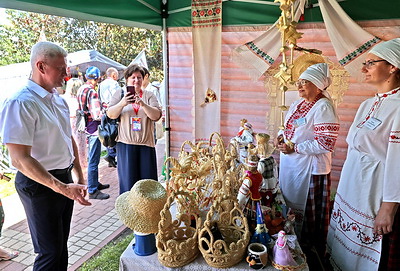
(13, 76)
(83, 59)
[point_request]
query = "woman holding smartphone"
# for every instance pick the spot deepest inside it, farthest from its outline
(138, 110)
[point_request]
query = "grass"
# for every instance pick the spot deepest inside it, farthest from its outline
(7, 188)
(108, 257)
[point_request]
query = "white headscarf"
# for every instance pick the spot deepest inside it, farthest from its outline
(389, 51)
(318, 74)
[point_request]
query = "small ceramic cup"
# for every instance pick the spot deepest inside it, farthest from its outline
(257, 255)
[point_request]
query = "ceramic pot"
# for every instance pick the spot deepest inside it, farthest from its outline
(257, 255)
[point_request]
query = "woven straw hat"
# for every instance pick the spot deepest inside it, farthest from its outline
(139, 209)
(303, 62)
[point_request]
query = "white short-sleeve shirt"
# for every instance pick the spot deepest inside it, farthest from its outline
(37, 118)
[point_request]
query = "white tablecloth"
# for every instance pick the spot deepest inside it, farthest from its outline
(129, 261)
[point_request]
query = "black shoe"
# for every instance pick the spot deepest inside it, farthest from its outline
(103, 186)
(111, 161)
(98, 195)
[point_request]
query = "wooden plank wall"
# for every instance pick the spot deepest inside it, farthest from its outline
(242, 97)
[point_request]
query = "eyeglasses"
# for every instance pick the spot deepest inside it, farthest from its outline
(368, 64)
(301, 83)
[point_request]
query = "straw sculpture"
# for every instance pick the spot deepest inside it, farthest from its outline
(177, 241)
(225, 234)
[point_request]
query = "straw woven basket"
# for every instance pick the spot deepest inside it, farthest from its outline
(232, 224)
(302, 264)
(177, 241)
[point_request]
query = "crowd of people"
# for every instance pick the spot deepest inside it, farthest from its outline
(362, 231)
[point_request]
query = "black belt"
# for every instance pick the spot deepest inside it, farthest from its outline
(61, 171)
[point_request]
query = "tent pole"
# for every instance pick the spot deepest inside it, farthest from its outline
(166, 92)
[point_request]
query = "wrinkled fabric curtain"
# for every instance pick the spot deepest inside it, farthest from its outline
(206, 36)
(350, 41)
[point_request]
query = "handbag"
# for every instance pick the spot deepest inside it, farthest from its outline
(81, 121)
(108, 131)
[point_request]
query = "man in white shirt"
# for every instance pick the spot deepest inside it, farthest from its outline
(34, 124)
(107, 88)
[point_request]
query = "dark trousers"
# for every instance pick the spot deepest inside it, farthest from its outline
(111, 152)
(135, 162)
(49, 218)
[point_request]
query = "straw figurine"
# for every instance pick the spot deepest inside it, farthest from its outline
(249, 194)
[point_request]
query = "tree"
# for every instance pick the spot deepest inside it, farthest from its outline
(119, 43)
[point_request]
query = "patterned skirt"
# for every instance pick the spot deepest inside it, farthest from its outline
(317, 213)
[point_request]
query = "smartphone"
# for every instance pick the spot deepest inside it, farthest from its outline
(131, 89)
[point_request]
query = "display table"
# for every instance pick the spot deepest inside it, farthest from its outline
(129, 261)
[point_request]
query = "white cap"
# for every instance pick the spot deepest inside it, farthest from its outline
(318, 74)
(389, 51)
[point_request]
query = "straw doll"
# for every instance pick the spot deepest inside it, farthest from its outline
(282, 254)
(267, 167)
(243, 138)
(249, 194)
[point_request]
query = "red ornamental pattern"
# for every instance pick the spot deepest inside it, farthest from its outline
(301, 111)
(206, 13)
(355, 227)
(394, 137)
(326, 134)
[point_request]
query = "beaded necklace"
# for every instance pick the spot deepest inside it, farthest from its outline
(301, 111)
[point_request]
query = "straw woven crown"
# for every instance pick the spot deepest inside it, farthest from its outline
(304, 61)
(139, 209)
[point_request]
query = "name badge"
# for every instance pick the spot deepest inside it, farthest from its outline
(135, 124)
(300, 122)
(372, 123)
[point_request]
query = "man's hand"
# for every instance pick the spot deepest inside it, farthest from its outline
(76, 192)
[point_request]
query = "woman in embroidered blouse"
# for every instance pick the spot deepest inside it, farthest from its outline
(135, 142)
(365, 223)
(306, 144)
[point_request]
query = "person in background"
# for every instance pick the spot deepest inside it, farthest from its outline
(73, 84)
(306, 146)
(137, 110)
(34, 125)
(4, 254)
(107, 88)
(72, 88)
(364, 232)
(89, 102)
(148, 87)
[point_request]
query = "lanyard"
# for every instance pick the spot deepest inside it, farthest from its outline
(136, 106)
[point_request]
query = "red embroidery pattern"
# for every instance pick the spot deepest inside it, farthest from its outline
(206, 13)
(352, 251)
(376, 105)
(326, 134)
(351, 226)
(366, 216)
(394, 137)
(301, 111)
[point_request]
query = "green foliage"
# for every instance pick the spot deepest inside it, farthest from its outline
(7, 188)
(119, 43)
(108, 258)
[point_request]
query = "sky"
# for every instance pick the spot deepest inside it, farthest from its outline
(3, 14)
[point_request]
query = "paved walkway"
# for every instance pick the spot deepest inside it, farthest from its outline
(92, 227)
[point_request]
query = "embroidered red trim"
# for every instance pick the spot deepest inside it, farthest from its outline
(301, 111)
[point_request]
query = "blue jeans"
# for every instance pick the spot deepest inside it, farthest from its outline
(111, 152)
(94, 160)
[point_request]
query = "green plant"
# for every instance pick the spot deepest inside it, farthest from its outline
(7, 188)
(108, 257)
